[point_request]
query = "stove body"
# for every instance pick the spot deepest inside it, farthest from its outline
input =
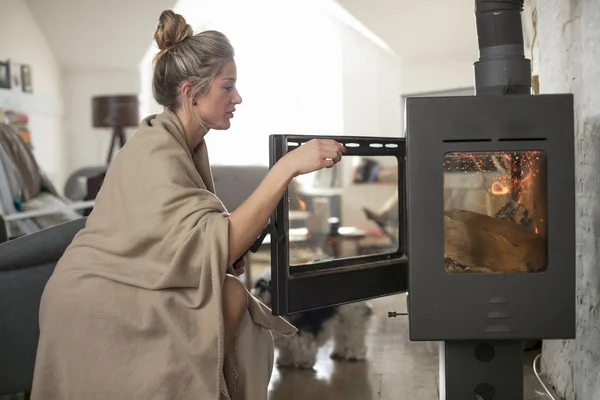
(491, 217)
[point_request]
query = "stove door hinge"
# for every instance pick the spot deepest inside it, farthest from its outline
(394, 314)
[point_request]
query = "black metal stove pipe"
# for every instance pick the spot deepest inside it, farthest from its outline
(502, 67)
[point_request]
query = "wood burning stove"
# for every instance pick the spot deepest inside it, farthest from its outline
(491, 217)
(491, 230)
(485, 221)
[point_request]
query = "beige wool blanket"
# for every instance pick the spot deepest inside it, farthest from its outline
(134, 307)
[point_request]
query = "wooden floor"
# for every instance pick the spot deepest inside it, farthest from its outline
(395, 369)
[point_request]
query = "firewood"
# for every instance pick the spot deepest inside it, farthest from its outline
(481, 243)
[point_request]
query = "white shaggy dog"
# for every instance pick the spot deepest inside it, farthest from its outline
(346, 324)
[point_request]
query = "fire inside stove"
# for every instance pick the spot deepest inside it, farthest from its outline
(495, 207)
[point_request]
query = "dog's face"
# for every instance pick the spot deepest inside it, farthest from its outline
(262, 290)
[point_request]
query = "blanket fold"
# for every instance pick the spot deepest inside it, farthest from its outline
(134, 309)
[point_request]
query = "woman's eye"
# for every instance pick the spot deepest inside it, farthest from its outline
(229, 88)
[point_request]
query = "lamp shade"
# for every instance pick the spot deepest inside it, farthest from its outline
(115, 111)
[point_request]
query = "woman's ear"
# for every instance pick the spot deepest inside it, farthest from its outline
(186, 92)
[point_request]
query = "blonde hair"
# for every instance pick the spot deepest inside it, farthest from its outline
(185, 57)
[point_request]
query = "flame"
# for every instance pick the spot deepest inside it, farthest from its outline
(301, 204)
(518, 177)
(499, 188)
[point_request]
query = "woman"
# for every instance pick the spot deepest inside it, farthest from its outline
(141, 305)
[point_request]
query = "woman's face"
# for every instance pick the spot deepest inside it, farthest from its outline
(216, 108)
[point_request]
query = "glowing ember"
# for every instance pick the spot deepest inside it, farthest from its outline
(499, 189)
(301, 204)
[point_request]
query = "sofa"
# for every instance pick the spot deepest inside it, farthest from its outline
(3, 230)
(26, 264)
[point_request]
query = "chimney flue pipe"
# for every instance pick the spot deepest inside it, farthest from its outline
(502, 67)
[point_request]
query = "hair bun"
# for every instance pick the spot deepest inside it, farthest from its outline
(172, 29)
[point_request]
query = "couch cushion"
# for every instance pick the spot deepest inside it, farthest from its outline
(20, 294)
(26, 264)
(41, 247)
(3, 230)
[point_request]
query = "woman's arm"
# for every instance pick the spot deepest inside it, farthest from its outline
(249, 219)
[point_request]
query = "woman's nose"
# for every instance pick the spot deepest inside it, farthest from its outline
(237, 99)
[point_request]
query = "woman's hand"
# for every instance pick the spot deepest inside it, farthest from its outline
(312, 156)
(239, 267)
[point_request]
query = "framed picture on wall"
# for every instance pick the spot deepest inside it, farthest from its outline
(5, 75)
(26, 78)
(15, 77)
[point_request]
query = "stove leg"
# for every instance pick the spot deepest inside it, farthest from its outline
(481, 370)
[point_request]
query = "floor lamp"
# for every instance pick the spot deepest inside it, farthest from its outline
(117, 112)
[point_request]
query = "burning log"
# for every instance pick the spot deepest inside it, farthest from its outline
(476, 242)
(515, 212)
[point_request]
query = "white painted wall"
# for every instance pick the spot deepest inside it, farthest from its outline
(436, 75)
(372, 107)
(371, 87)
(86, 145)
(22, 41)
(531, 38)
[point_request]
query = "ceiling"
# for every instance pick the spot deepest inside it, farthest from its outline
(98, 35)
(421, 31)
(94, 35)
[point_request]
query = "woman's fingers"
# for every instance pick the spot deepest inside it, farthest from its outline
(331, 153)
(332, 145)
(314, 155)
(239, 267)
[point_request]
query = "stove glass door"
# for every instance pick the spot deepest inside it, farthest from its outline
(339, 233)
